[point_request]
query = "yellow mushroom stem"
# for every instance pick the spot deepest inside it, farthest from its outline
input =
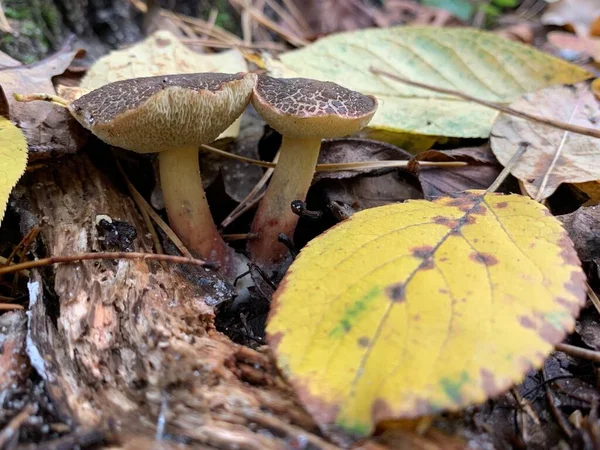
(291, 180)
(187, 208)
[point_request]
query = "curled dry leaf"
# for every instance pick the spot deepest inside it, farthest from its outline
(410, 309)
(49, 129)
(582, 16)
(554, 156)
(583, 227)
(481, 172)
(470, 61)
(162, 54)
(587, 46)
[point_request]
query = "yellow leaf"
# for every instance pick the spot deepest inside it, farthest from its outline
(13, 160)
(471, 61)
(162, 54)
(554, 156)
(414, 308)
(592, 190)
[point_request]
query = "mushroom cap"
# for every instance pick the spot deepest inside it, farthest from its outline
(302, 108)
(166, 112)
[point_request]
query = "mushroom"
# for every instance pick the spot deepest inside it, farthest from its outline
(173, 115)
(304, 111)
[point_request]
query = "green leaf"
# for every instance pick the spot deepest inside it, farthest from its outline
(463, 9)
(474, 62)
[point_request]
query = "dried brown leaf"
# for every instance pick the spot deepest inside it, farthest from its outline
(554, 156)
(481, 172)
(49, 129)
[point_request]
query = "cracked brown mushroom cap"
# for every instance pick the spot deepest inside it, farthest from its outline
(304, 111)
(173, 115)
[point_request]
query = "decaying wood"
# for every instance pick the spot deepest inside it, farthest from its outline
(129, 347)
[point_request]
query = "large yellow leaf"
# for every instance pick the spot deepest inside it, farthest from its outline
(414, 308)
(474, 62)
(13, 160)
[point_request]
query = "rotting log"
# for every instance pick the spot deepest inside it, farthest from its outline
(130, 346)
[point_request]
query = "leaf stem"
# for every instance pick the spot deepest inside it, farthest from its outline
(514, 159)
(42, 97)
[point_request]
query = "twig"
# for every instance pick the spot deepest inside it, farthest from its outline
(289, 19)
(9, 307)
(579, 352)
(219, 44)
(514, 159)
(239, 236)
(107, 255)
(42, 97)
(593, 297)
(13, 426)
(294, 11)
(139, 200)
(4, 261)
(25, 245)
(337, 167)
(496, 106)
(157, 219)
(252, 197)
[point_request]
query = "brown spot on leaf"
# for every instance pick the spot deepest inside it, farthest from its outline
(484, 258)
(322, 411)
(550, 334)
(380, 410)
(274, 340)
(416, 317)
(527, 322)
(443, 291)
(363, 341)
(573, 308)
(577, 286)
(446, 221)
(501, 205)
(488, 383)
(423, 252)
(568, 253)
(396, 292)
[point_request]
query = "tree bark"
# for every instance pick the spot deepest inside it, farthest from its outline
(130, 347)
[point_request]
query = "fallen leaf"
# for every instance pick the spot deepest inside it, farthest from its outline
(587, 46)
(583, 227)
(414, 308)
(578, 15)
(474, 62)
(343, 150)
(349, 191)
(592, 190)
(49, 129)
(520, 32)
(13, 160)
(481, 172)
(554, 156)
(162, 54)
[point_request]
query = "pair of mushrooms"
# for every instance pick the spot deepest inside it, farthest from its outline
(173, 115)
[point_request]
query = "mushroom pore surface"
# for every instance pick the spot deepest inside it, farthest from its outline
(301, 107)
(160, 113)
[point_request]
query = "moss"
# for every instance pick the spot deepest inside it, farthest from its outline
(37, 25)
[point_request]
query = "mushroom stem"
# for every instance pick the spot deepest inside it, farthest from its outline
(291, 180)
(187, 208)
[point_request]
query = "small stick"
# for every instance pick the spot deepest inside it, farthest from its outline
(593, 297)
(140, 200)
(15, 423)
(268, 23)
(294, 11)
(579, 352)
(106, 255)
(42, 97)
(218, 44)
(252, 197)
(523, 146)
(239, 236)
(496, 106)
(4, 261)
(338, 167)
(10, 307)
